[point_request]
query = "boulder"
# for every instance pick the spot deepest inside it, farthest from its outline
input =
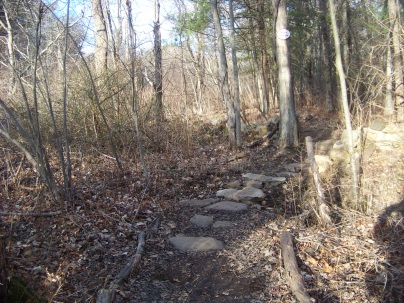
(378, 124)
(339, 153)
(324, 163)
(324, 147)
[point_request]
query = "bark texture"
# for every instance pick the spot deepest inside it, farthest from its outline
(288, 122)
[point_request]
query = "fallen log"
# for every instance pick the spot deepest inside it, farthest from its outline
(108, 295)
(293, 275)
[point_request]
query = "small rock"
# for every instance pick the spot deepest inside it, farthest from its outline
(228, 206)
(201, 221)
(196, 243)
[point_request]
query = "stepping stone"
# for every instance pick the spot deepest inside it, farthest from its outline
(198, 203)
(196, 243)
(222, 224)
(227, 193)
(263, 178)
(257, 177)
(228, 206)
(201, 221)
(250, 194)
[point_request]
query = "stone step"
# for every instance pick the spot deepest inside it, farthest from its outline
(198, 203)
(228, 206)
(196, 244)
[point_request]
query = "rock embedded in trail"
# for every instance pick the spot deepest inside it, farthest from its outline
(228, 206)
(198, 203)
(201, 221)
(227, 193)
(197, 244)
(268, 180)
(249, 194)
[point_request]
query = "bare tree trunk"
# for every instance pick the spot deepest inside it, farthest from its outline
(264, 57)
(235, 74)
(132, 44)
(393, 7)
(388, 100)
(10, 47)
(288, 122)
(326, 56)
(66, 167)
(224, 77)
(158, 84)
(101, 38)
(344, 100)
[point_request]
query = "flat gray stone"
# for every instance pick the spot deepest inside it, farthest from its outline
(250, 194)
(196, 243)
(198, 203)
(228, 206)
(263, 178)
(227, 193)
(222, 224)
(257, 177)
(201, 221)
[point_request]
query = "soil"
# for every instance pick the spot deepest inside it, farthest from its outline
(71, 256)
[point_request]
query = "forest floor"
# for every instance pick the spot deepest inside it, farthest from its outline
(69, 257)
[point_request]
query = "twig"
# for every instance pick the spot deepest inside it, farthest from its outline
(49, 214)
(108, 295)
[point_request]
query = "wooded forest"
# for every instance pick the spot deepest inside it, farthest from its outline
(283, 118)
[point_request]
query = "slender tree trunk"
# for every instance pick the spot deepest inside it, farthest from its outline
(10, 47)
(344, 100)
(388, 100)
(101, 38)
(393, 7)
(288, 122)
(235, 75)
(158, 84)
(132, 44)
(264, 57)
(66, 167)
(224, 77)
(326, 55)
